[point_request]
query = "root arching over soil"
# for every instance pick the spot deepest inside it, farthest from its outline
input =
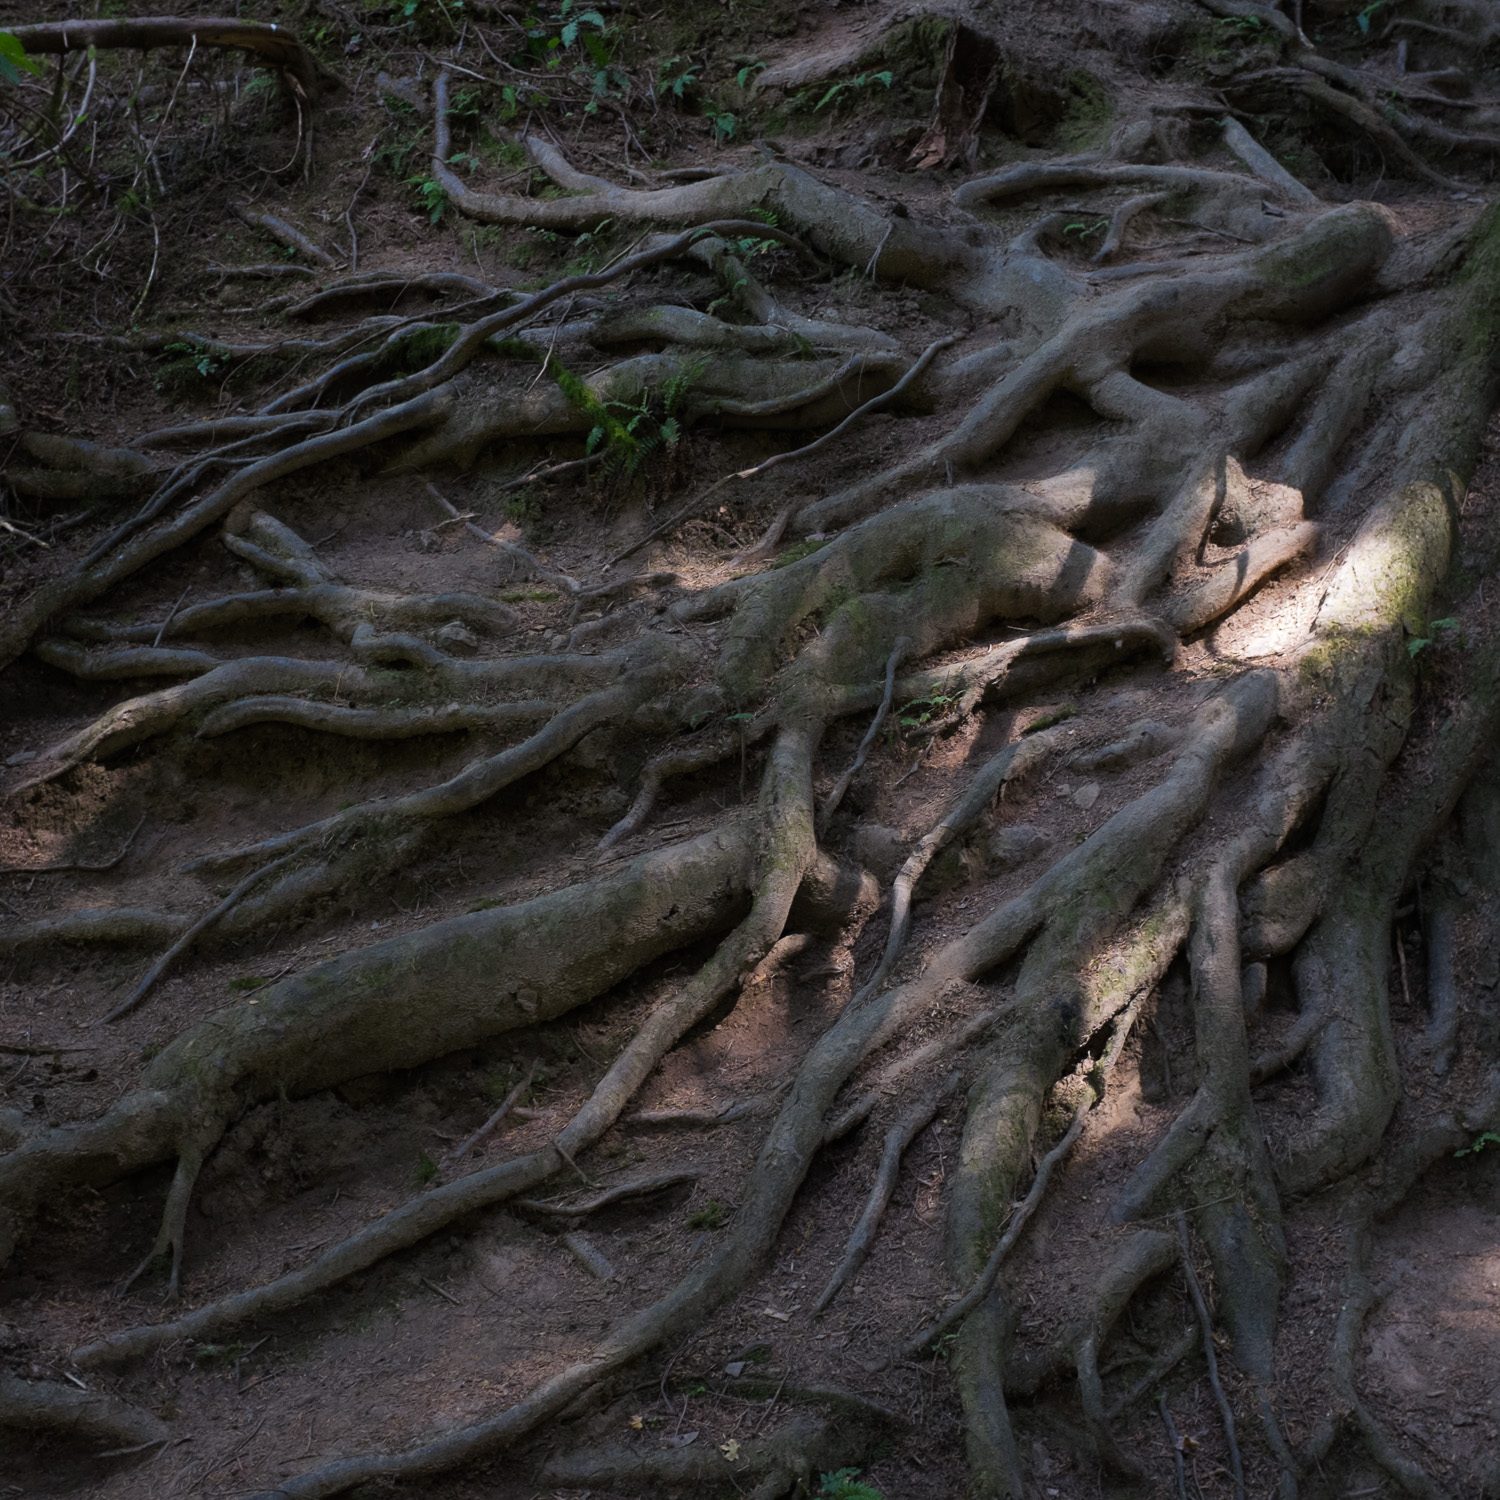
(856, 662)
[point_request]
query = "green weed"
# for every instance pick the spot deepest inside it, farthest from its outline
(847, 87)
(710, 1216)
(845, 1484)
(797, 551)
(1058, 716)
(1489, 1138)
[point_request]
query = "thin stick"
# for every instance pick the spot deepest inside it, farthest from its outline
(349, 219)
(1176, 1445)
(1206, 1325)
(874, 404)
(1401, 959)
(171, 615)
(151, 274)
(637, 1189)
(561, 580)
(898, 1138)
(494, 1120)
(188, 938)
(985, 1281)
(841, 786)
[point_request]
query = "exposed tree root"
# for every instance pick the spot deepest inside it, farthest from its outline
(87, 1416)
(1187, 494)
(274, 44)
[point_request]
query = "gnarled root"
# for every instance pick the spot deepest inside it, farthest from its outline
(83, 1415)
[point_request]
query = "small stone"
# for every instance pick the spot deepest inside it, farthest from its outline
(456, 637)
(1063, 789)
(735, 1368)
(878, 848)
(21, 757)
(1012, 846)
(1086, 795)
(559, 643)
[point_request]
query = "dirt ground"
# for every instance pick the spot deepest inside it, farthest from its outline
(443, 1334)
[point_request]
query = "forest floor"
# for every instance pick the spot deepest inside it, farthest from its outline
(438, 1335)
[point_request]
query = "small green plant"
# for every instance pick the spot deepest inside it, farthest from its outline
(1419, 643)
(920, 712)
(1057, 716)
(845, 1484)
(721, 120)
(854, 85)
(250, 982)
(430, 194)
(217, 1354)
(710, 1216)
(14, 61)
(524, 509)
(427, 1170)
(1081, 230)
(1368, 14)
(627, 430)
(188, 369)
(1489, 1138)
(676, 78)
(527, 596)
(797, 551)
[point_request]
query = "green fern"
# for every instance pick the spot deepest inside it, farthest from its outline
(845, 1484)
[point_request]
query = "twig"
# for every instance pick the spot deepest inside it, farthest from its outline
(922, 750)
(897, 1139)
(432, 1286)
(1175, 1443)
(546, 574)
(135, 312)
(636, 1189)
(985, 1281)
(188, 938)
(696, 506)
(874, 404)
(903, 644)
(171, 615)
(500, 1114)
(349, 218)
(1206, 1325)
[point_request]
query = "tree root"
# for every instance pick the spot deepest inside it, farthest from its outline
(763, 1468)
(88, 1416)
(1205, 1325)
(787, 809)
(116, 924)
(358, 1005)
(1140, 1259)
(862, 1238)
(276, 46)
(191, 936)
(929, 1339)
